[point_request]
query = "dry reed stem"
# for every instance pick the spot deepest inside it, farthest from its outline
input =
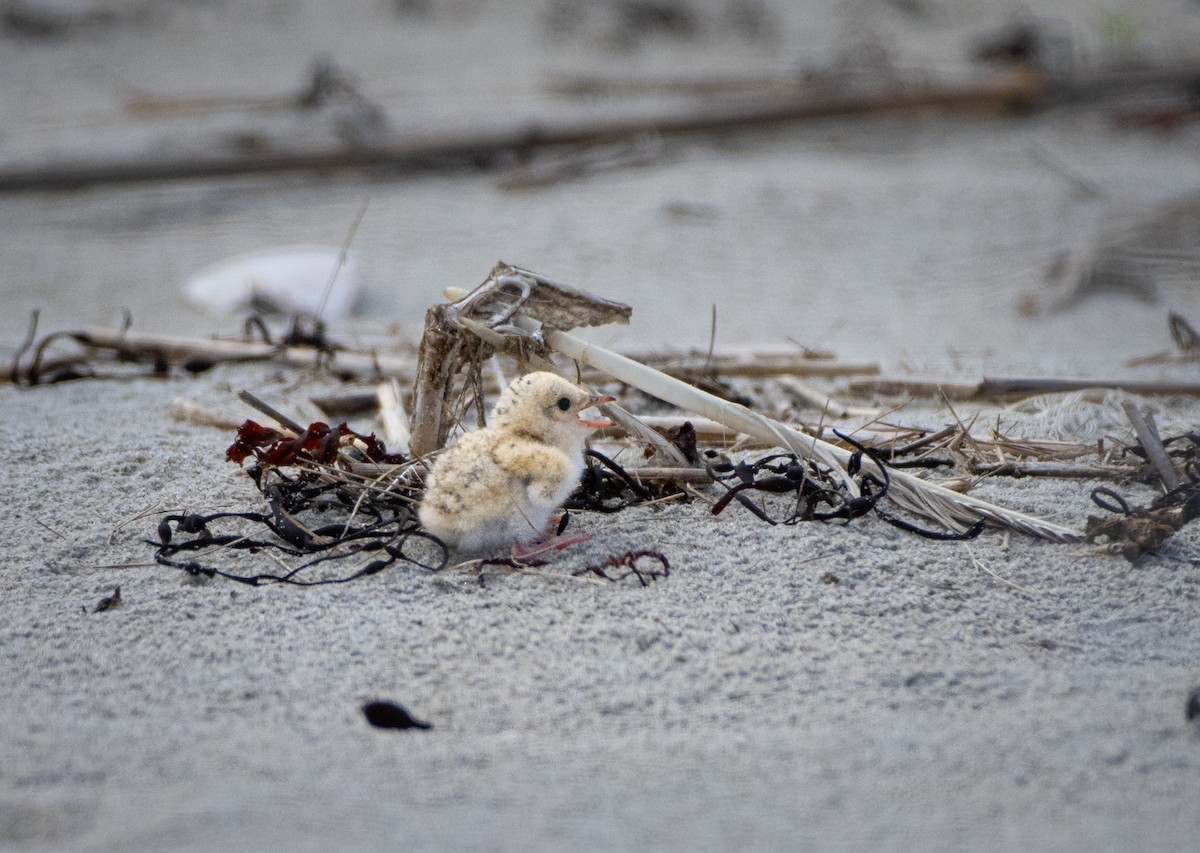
(1002, 388)
(1052, 470)
(1147, 433)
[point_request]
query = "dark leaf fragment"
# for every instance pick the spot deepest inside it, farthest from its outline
(110, 602)
(389, 715)
(318, 443)
(684, 439)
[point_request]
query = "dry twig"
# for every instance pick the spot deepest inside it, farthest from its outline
(1143, 424)
(1002, 388)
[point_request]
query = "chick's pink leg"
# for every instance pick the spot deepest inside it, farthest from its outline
(523, 553)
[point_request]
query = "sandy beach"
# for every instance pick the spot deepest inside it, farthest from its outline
(800, 687)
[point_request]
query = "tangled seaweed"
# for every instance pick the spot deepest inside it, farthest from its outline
(309, 513)
(388, 538)
(607, 487)
(319, 517)
(817, 496)
(610, 569)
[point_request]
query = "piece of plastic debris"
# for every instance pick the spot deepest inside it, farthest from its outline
(285, 281)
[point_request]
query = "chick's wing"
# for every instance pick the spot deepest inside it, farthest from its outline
(538, 469)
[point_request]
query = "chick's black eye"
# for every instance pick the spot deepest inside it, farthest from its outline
(564, 403)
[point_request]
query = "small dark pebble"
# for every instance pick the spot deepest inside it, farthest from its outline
(1193, 704)
(388, 715)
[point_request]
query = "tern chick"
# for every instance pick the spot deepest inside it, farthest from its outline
(500, 486)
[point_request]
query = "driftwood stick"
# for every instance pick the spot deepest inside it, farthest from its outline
(1076, 87)
(391, 412)
(1147, 433)
(270, 411)
(707, 430)
(585, 161)
(355, 401)
(177, 348)
(370, 366)
(444, 351)
(473, 150)
(1041, 449)
(918, 443)
(212, 351)
(488, 149)
(1007, 91)
(829, 407)
(1052, 470)
(1013, 387)
(192, 412)
(1003, 386)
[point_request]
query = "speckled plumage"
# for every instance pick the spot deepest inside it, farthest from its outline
(500, 485)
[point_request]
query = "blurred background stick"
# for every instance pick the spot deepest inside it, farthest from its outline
(1021, 90)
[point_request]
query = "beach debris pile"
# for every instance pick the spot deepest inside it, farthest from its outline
(1137, 531)
(333, 493)
(336, 496)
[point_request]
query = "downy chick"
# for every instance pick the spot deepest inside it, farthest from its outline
(500, 486)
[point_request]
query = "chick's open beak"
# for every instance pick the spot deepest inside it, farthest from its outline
(600, 422)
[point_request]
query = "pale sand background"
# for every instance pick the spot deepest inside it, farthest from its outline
(741, 704)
